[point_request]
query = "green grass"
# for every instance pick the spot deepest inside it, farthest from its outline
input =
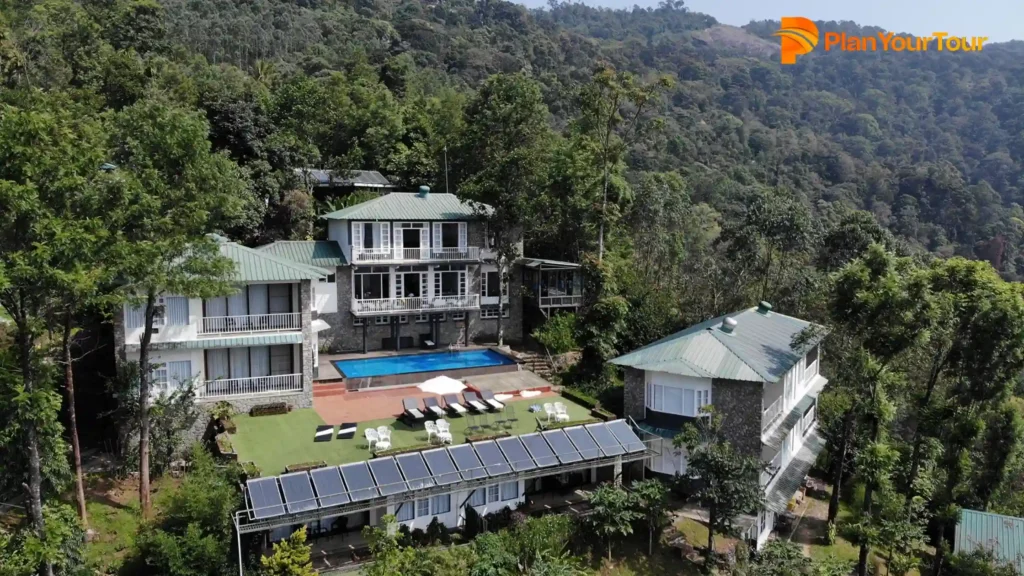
(113, 509)
(274, 442)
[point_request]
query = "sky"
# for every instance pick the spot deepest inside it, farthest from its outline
(1000, 20)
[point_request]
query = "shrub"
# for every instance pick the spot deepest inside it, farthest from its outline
(437, 533)
(570, 424)
(250, 470)
(222, 410)
(403, 450)
(580, 397)
(271, 409)
(224, 444)
(482, 437)
(603, 414)
(473, 524)
(304, 466)
(558, 334)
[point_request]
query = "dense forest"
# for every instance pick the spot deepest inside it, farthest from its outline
(688, 170)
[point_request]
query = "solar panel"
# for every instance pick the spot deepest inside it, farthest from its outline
(604, 438)
(583, 442)
(389, 479)
(360, 483)
(494, 461)
(516, 454)
(298, 492)
(562, 447)
(539, 450)
(441, 466)
(625, 435)
(329, 487)
(467, 462)
(415, 470)
(265, 498)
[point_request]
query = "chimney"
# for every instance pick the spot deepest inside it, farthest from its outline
(728, 325)
(764, 308)
(424, 191)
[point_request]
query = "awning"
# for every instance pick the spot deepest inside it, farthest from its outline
(548, 264)
(796, 413)
(319, 325)
(232, 342)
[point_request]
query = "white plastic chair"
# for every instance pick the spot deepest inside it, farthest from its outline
(382, 444)
(444, 431)
(384, 434)
(561, 414)
(549, 410)
(431, 429)
(372, 438)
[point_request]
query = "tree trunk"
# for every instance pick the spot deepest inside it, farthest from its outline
(144, 378)
(917, 442)
(609, 548)
(650, 541)
(604, 208)
(35, 476)
(712, 518)
(840, 466)
(869, 490)
(76, 449)
(501, 300)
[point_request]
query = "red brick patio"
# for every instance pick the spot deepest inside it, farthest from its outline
(373, 404)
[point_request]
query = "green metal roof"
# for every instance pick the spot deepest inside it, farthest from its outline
(227, 342)
(1001, 535)
(256, 266)
(759, 349)
(408, 206)
(317, 253)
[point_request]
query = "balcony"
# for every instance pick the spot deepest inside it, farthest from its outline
(424, 254)
(247, 324)
(250, 386)
(560, 301)
(378, 306)
(771, 414)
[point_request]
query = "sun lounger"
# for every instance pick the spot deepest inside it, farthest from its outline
(347, 431)
(323, 433)
(474, 401)
(451, 402)
(488, 397)
(412, 412)
(431, 405)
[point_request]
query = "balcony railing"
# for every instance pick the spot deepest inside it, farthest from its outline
(422, 254)
(250, 386)
(771, 413)
(253, 323)
(561, 300)
(377, 306)
(772, 470)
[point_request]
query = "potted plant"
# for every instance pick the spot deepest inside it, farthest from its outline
(221, 413)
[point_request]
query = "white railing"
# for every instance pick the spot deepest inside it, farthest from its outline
(771, 413)
(374, 306)
(253, 323)
(422, 254)
(561, 300)
(248, 386)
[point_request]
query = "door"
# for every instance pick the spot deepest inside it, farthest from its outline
(281, 360)
(217, 366)
(258, 299)
(259, 360)
(239, 362)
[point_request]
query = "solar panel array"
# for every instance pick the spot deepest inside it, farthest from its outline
(337, 485)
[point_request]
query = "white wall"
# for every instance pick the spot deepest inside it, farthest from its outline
(670, 460)
(675, 381)
(165, 356)
(452, 518)
(337, 230)
(168, 333)
(325, 296)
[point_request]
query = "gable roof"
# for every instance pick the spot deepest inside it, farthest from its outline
(1001, 535)
(357, 178)
(256, 266)
(759, 349)
(318, 253)
(408, 206)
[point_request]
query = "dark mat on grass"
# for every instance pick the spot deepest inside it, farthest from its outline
(347, 431)
(323, 433)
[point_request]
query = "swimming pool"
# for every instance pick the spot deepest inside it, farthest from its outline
(432, 362)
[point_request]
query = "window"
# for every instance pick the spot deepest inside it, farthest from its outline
(492, 493)
(381, 320)
(478, 497)
(812, 355)
(489, 285)
(368, 236)
(442, 317)
(421, 318)
(441, 504)
(179, 373)
(422, 508)
(405, 511)
(491, 312)
(356, 321)
(458, 315)
(279, 298)
(509, 491)
(177, 310)
(372, 283)
(450, 235)
(808, 418)
(281, 360)
(331, 279)
(403, 319)
(159, 379)
(134, 316)
(159, 315)
(681, 401)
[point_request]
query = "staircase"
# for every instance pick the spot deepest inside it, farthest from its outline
(328, 388)
(537, 363)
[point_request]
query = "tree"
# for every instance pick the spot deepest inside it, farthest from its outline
(602, 119)
(290, 557)
(612, 512)
(176, 192)
(503, 147)
(729, 480)
(652, 499)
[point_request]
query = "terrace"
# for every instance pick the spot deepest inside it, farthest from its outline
(275, 442)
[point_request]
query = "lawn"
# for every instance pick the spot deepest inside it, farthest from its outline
(274, 442)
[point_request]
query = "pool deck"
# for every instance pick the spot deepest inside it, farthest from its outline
(329, 373)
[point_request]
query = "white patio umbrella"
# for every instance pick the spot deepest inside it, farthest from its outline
(442, 385)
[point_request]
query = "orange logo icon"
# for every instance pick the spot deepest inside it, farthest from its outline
(799, 36)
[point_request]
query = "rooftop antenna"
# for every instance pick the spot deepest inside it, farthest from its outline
(446, 169)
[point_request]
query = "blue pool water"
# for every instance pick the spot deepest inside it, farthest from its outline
(420, 363)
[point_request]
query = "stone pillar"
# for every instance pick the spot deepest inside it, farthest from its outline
(617, 471)
(308, 349)
(633, 394)
(119, 339)
(593, 475)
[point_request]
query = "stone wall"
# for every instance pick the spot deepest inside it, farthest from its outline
(739, 404)
(308, 350)
(633, 394)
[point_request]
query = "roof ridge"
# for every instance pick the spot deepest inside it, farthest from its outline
(722, 339)
(283, 261)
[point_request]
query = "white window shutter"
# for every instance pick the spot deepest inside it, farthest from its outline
(463, 236)
(385, 235)
(398, 239)
(424, 286)
(177, 311)
(424, 241)
(437, 237)
(134, 316)
(357, 234)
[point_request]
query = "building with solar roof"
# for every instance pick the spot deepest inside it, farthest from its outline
(441, 482)
(764, 385)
